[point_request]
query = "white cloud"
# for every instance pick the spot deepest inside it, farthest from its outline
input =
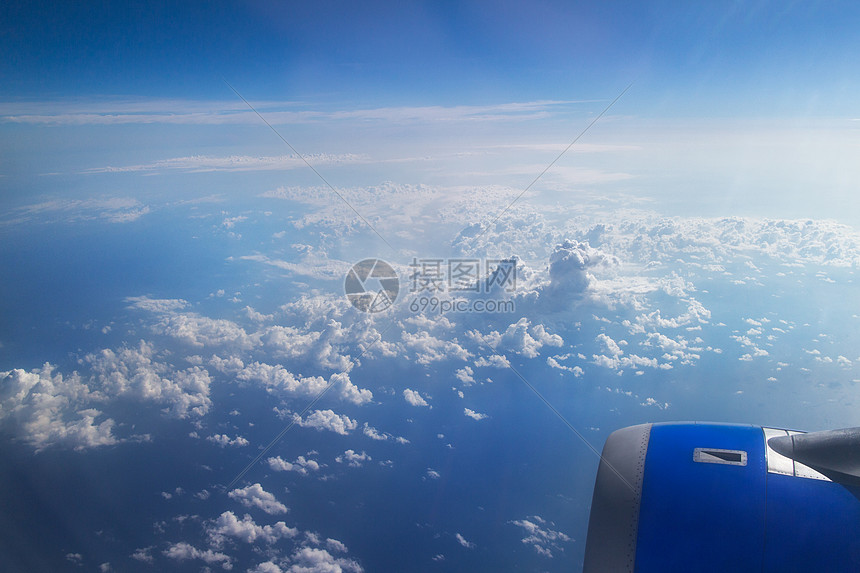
(429, 349)
(462, 541)
(255, 496)
(43, 403)
(464, 375)
(373, 433)
(277, 378)
(543, 539)
(301, 465)
(50, 408)
(652, 402)
(200, 331)
(194, 112)
(316, 560)
(143, 554)
(224, 440)
(234, 163)
(110, 209)
(136, 372)
(474, 415)
(570, 269)
(228, 525)
(266, 567)
(520, 337)
(183, 551)
(327, 420)
(493, 361)
(353, 459)
(414, 398)
(156, 305)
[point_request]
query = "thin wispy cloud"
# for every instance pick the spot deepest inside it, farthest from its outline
(206, 163)
(188, 112)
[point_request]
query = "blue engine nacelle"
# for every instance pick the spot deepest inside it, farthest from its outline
(711, 497)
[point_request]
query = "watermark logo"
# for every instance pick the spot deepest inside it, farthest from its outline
(462, 275)
(371, 285)
(436, 286)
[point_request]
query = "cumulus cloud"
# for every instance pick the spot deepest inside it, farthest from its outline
(279, 379)
(615, 358)
(464, 375)
(276, 378)
(51, 408)
(493, 361)
(183, 551)
(474, 415)
(353, 459)
(414, 398)
(462, 541)
(570, 268)
(200, 331)
(520, 337)
(137, 372)
(540, 536)
(327, 420)
(255, 496)
(375, 434)
(227, 525)
(317, 560)
(301, 465)
(224, 440)
(429, 349)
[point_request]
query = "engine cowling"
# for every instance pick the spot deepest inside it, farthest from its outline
(720, 497)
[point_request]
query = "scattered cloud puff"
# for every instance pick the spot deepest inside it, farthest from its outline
(255, 496)
(520, 337)
(654, 403)
(493, 361)
(137, 372)
(414, 398)
(223, 440)
(615, 358)
(307, 559)
(553, 362)
(227, 525)
(276, 378)
(464, 375)
(301, 465)
(43, 403)
(183, 551)
(353, 459)
(474, 415)
(327, 420)
(49, 409)
(144, 554)
(462, 541)
(429, 349)
(317, 560)
(539, 535)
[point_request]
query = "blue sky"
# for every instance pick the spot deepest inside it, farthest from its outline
(754, 101)
(705, 59)
(175, 273)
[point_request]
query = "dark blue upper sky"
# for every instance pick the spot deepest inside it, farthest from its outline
(722, 58)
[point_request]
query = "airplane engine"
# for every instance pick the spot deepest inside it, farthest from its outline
(719, 497)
